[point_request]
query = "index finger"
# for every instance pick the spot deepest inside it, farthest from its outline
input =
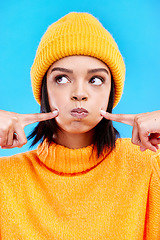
(123, 118)
(37, 117)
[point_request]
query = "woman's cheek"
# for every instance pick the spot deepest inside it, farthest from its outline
(52, 105)
(94, 118)
(54, 98)
(63, 116)
(104, 106)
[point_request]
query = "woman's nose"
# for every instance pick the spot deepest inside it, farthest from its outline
(79, 98)
(79, 94)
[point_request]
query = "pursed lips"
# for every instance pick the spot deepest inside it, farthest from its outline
(79, 113)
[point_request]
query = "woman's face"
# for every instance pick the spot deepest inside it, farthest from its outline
(79, 87)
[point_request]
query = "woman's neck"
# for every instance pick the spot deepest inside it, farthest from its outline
(73, 140)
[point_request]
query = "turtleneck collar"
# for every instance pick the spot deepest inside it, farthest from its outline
(68, 161)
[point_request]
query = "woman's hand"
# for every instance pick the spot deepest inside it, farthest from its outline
(146, 128)
(12, 126)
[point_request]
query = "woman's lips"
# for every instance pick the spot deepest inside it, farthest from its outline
(79, 113)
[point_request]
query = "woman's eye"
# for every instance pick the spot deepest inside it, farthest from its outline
(96, 81)
(61, 79)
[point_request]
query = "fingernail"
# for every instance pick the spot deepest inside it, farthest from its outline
(103, 112)
(55, 111)
(142, 149)
(2, 147)
(155, 149)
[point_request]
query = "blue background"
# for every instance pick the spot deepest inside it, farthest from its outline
(135, 25)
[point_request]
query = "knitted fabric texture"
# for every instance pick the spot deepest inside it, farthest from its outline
(77, 34)
(117, 199)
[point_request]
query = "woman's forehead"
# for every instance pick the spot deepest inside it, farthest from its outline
(84, 62)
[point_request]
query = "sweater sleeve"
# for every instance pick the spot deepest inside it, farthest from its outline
(152, 226)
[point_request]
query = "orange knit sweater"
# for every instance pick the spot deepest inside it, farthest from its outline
(59, 193)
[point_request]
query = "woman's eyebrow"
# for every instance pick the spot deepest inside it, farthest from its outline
(71, 71)
(98, 70)
(61, 70)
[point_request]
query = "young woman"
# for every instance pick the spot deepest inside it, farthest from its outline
(82, 182)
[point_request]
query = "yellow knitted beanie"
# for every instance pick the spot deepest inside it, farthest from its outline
(77, 34)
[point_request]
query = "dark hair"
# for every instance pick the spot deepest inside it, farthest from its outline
(105, 134)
